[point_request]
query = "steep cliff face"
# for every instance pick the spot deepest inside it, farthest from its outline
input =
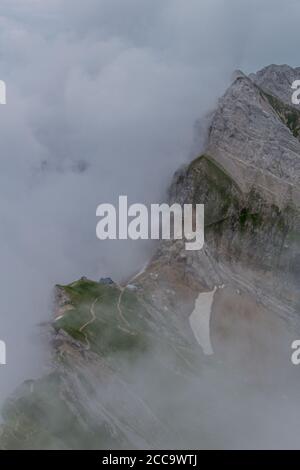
(130, 363)
(249, 182)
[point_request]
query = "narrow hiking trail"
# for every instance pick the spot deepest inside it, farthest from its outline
(93, 318)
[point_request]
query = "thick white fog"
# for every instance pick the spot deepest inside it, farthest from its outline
(102, 97)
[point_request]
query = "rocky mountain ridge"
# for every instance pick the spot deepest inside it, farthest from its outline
(128, 369)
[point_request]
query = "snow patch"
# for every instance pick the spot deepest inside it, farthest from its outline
(200, 320)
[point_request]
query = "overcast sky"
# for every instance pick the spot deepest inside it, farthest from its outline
(102, 100)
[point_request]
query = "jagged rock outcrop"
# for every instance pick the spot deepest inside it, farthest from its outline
(277, 80)
(127, 368)
(248, 179)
